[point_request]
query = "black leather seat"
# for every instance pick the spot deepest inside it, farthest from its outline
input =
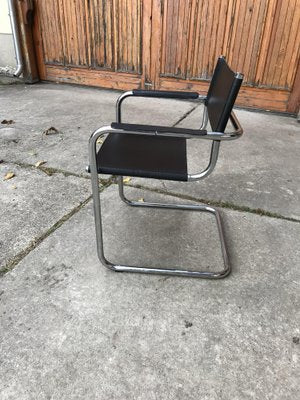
(145, 156)
(150, 156)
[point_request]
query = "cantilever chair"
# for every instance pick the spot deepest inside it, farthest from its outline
(160, 152)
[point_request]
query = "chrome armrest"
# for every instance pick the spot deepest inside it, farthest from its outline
(154, 94)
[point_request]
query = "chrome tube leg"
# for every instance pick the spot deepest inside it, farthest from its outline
(121, 191)
(169, 271)
(96, 202)
(201, 208)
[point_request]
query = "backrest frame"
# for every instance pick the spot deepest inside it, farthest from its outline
(221, 95)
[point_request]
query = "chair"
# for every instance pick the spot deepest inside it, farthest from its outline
(159, 152)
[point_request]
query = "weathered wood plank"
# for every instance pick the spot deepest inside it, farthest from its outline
(179, 40)
(101, 78)
(248, 97)
(294, 99)
(155, 35)
(289, 65)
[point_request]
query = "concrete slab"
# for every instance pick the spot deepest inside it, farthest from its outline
(73, 330)
(8, 79)
(259, 170)
(31, 202)
(75, 112)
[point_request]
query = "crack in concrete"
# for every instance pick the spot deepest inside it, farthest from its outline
(186, 114)
(216, 203)
(47, 170)
(35, 242)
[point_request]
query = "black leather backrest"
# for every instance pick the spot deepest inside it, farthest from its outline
(222, 92)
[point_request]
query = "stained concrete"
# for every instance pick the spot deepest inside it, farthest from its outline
(72, 329)
(31, 203)
(259, 170)
(75, 112)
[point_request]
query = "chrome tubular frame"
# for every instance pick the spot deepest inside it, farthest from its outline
(180, 272)
(98, 221)
(204, 118)
(216, 138)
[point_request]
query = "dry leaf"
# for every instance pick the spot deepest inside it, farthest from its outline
(8, 176)
(14, 187)
(127, 179)
(40, 163)
(51, 131)
(141, 200)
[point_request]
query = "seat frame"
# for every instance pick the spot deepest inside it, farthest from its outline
(216, 138)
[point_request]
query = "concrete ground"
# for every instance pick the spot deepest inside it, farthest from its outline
(71, 329)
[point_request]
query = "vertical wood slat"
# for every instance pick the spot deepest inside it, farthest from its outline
(243, 47)
(190, 30)
(258, 37)
(214, 34)
(284, 30)
(129, 35)
(255, 36)
(174, 44)
(200, 10)
(280, 45)
(295, 55)
(265, 42)
(92, 33)
(204, 43)
(293, 40)
(183, 54)
(294, 98)
(274, 48)
(288, 46)
(152, 36)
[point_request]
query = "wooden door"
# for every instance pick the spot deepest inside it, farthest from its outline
(93, 42)
(173, 44)
(259, 38)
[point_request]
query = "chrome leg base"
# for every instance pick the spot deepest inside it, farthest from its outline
(161, 271)
(204, 208)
